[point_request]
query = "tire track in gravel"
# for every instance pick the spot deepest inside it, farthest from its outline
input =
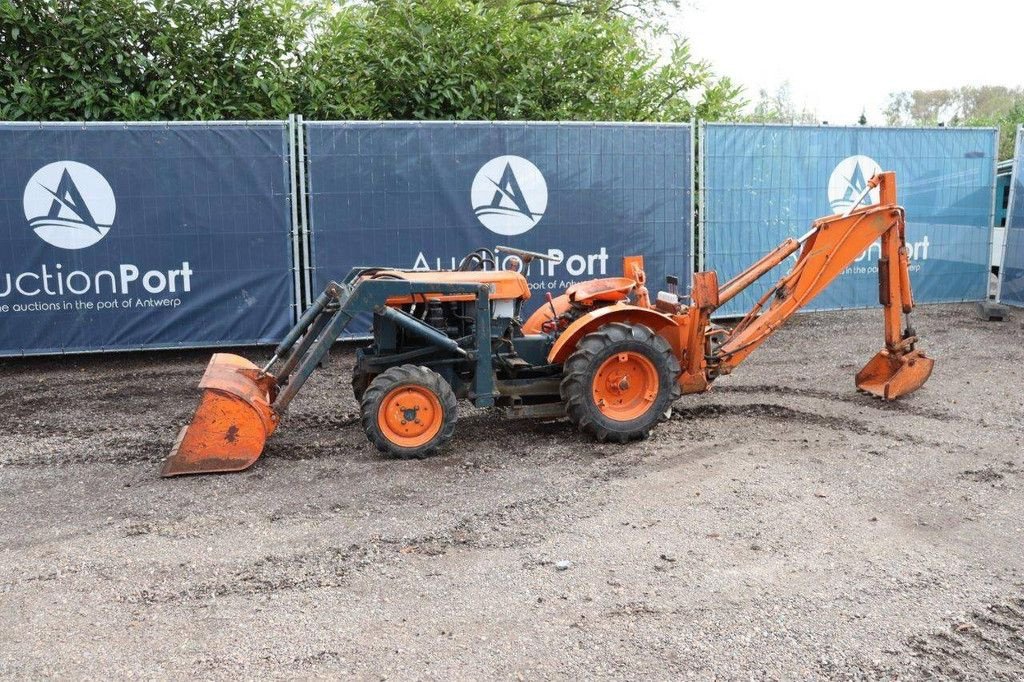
(92, 444)
(329, 567)
(853, 398)
(511, 525)
(38, 390)
(987, 644)
(521, 523)
(789, 414)
(334, 431)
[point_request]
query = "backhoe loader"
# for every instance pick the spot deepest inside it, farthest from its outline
(601, 354)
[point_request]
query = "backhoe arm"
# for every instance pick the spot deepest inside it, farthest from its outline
(827, 250)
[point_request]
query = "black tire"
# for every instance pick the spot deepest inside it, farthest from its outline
(416, 377)
(591, 353)
(360, 382)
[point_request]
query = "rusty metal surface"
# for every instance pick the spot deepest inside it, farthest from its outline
(705, 294)
(891, 375)
(232, 423)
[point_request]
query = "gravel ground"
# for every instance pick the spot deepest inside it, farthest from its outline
(780, 526)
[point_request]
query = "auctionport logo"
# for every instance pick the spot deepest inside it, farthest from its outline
(69, 205)
(509, 195)
(849, 179)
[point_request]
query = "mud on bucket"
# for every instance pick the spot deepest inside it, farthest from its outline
(232, 423)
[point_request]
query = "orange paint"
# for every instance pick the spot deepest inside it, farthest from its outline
(504, 284)
(664, 325)
(232, 423)
(235, 416)
(606, 289)
(542, 315)
(410, 416)
(625, 386)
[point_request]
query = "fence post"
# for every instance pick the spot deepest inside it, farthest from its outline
(1015, 179)
(296, 199)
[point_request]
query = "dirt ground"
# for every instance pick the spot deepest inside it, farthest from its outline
(780, 526)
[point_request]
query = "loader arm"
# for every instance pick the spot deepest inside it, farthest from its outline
(824, 253)
(243, 404)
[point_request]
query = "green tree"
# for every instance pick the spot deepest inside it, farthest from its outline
(778, 107)
(995, 106)
(367, 59)
(127, 59)
(460, 59)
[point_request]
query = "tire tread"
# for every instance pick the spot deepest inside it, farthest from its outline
(575, 387)
(387, 381)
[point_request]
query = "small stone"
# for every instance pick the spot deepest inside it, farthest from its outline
(563, 565)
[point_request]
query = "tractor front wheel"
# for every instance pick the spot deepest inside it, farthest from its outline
(408, 411)
(619, 382)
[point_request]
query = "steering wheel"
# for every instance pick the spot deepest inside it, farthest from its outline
(527, 256)
(477, 260)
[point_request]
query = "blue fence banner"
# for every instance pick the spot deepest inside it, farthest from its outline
(763, 183)
(1011, 273)
(422, 195)
(130, 236)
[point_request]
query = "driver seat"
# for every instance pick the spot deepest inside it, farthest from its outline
(606, 289)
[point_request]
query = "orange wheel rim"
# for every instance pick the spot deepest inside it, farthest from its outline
(410, 416)
(625, 386)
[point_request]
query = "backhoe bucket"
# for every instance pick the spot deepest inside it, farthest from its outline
(232, 423)
(888, 376)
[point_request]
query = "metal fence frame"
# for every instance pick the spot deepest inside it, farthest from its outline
(297, 168)
(85, 125)
(690, 224)
(992, 212)
(1015, 177)
(701, 188)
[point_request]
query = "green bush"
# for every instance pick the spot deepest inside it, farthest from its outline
(384, 59)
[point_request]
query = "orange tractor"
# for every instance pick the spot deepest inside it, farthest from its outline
(601, 354)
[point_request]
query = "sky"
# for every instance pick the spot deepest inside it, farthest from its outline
(843, 57)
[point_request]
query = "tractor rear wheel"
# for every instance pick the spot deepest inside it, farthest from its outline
(619, 382)
(408, 411)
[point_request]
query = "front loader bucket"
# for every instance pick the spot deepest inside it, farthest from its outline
(232, 423)
(888, 376)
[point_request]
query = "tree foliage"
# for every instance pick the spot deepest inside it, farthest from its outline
(778, 107)
(375, 59)
(985, 105)
(158, 59)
